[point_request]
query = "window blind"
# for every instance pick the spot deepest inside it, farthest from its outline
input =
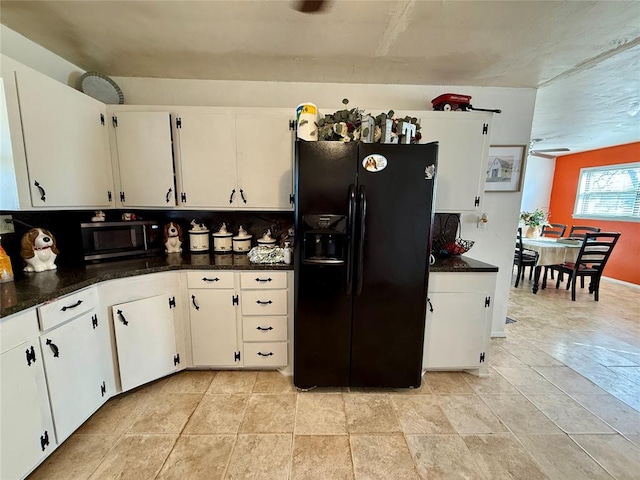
(609, 192)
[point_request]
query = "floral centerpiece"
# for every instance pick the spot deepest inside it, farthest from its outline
(535, 221)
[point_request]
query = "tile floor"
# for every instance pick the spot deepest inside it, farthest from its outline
(562, 402)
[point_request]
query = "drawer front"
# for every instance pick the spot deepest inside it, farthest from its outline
(210, 279)
(263, 280)
(264, 329)
(19, 328)
(264, 302)
(265, 354)
(66, 308)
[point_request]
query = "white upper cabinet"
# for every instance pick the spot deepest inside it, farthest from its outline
(264, 147)
(145, 159)
(208, 160)
(462, 156)
(66, 144)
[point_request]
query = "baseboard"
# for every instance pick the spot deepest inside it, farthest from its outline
(498, 335)
(622, 282)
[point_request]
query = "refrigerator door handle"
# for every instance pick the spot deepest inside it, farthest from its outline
(362, 214)
(351, 225)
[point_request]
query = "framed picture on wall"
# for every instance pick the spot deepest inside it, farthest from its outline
(504, 168)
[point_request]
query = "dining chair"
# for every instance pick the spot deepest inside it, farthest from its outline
(523, 258)
(578, 231)
(552, 230)
(592, 258)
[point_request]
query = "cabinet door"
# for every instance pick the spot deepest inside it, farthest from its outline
(214, 331)
(24, 411)
(208, 160)
(76, 371)
(66, 144)
(462, 158)
(146, 340)
(264, 146)
(455, 330)
(145, 158)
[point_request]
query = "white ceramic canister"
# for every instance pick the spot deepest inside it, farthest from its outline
(199, 240)
(242, 241)
(266, 240)
(222, 242)
(307, 122)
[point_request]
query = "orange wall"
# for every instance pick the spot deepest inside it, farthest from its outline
(624, 263)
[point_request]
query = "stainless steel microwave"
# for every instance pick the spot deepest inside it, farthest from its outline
(108, 240)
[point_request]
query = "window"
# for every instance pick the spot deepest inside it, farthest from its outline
(611, 192)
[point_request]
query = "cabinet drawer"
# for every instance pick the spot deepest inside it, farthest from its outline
(264, 329)
(210, 279)
(263, 280)
(66, 308)
(265, 354)
(17, 329)
(267, 302)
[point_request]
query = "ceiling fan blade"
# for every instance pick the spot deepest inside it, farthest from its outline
(310, 6)
(543, 155)
(564, 149)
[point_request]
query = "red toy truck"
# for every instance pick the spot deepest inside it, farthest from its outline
(456, 101)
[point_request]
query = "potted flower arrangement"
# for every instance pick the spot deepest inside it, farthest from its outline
(535, 221)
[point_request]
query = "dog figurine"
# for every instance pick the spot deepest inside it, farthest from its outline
(39, 251)
(173, 238)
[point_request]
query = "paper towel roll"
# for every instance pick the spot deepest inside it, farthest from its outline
(307, 120)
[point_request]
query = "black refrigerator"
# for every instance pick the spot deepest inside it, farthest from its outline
(363, 216)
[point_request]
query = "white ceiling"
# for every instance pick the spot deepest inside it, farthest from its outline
(582, 55)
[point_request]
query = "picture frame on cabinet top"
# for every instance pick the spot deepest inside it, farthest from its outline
(505, 166)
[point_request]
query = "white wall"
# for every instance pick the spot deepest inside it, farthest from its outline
(537, 183)
(20, 48)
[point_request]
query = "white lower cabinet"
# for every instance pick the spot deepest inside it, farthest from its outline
(76, 369)
(26, 436)
(145, 340)
(214, 327)
(458, 322)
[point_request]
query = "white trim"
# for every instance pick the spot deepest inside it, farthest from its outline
(622, 282)
(498, 334)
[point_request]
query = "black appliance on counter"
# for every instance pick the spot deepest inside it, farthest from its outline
(363, 236)
(115, 240)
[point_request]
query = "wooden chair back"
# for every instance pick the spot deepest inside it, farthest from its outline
(595, 251)
(578, 231)
(553, 230)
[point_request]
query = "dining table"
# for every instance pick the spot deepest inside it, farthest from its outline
(551, 251)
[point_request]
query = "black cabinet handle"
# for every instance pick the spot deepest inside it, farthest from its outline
(31, 356)
(263, 280)
(264, 329)
(168, 194)
(53, 347)
(122, 319)
(193, 300)
(430, 306)
(205, 279)
(44, 440)
(242, 195)
(269, 302)
(233, 192)
(42, 192)
(77, 304)
(265, 354)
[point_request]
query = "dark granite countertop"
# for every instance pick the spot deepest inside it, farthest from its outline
(33, 289)
(461, 264)
(30, 289)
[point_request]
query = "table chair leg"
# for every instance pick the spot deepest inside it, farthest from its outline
(573, 288)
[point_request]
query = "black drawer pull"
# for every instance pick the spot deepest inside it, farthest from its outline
(242, 195)
(122, 319)
(430, 306)
(263, 280)
(43, 194)
(265, 354)
(77, 304)
(44, 440)
(268, 302)
(233, 192)
(53, 347)
(168, 194)
(205, 279)
(264, 329)
(193, 300)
